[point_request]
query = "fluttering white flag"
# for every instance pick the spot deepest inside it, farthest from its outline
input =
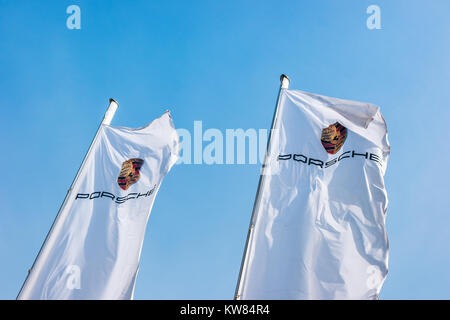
(93, 249)
(319, 224)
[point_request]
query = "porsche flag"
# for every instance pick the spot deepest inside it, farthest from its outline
(318, 229)
(93, 248)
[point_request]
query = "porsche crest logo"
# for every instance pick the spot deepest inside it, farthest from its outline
(129, 173)
(333, 137)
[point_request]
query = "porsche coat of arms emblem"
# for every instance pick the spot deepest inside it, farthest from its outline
(333, 137)
(129, 173)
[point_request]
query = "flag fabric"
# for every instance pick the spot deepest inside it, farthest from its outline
(93, 248)
(318, 229)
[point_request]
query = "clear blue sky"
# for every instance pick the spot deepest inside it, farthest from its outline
(219, 62)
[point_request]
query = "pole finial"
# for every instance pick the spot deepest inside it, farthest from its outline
(284, 81)
(113, 105)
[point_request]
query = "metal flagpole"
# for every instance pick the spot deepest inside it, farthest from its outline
(284, 84)
(109, 114)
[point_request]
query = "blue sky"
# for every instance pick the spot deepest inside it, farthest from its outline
(219, 62)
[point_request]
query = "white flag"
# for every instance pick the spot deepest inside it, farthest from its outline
(319, 225)
(93, 249)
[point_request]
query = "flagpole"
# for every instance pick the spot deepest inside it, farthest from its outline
(284, 84)
(107, 118)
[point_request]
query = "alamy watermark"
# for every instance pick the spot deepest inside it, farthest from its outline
(229, 146)
(374, 20)
(374, 278)
(73, 280)
(74, 19)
